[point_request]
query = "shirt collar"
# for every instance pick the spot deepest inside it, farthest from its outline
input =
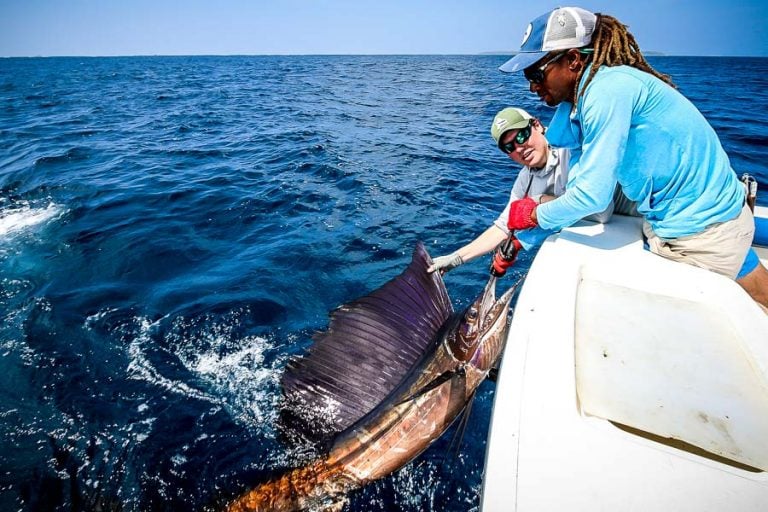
(564, 131)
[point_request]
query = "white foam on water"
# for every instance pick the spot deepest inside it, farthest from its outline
(230, 372)
(178, 459)
(415, 484)
(90, 320)
(141, 368)
(13, 312)
(139, 431)
(246, 384)
(422, 484)
(21, 217)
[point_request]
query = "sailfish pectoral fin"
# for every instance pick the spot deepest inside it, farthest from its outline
(458, 437)
(434, 383)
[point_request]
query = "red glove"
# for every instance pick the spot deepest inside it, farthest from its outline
(505, 256)
(520, 214)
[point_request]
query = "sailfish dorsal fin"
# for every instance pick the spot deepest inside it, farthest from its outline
(370, 346)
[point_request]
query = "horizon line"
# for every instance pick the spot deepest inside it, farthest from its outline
(484, 54)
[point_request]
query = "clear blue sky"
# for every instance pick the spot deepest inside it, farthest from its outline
(224, 27)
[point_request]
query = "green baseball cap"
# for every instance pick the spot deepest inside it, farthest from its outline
(510, 118)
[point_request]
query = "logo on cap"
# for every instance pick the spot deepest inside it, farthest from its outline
(527, 34)
(561, 19)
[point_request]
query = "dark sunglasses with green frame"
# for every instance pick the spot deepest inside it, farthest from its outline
(522, 135)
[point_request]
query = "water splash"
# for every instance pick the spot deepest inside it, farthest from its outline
(241, 378)
(141, 367)
(23, 216)
(241, 368)
(224, 369)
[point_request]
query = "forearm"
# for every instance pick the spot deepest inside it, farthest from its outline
(573, 206)
(544, 198)
(605, 116)
(486, 242)
(483, 244)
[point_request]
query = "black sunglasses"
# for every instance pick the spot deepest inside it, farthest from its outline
(535, 74)
(520, 137)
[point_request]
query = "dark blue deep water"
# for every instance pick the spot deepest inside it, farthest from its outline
(173, 229)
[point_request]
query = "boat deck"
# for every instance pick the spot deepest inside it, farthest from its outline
(629, 382)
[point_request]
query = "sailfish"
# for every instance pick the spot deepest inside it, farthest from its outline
(390, 374)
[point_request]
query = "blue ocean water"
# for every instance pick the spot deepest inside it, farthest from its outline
(173, 229)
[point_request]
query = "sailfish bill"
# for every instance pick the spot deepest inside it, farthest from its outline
(391, 373)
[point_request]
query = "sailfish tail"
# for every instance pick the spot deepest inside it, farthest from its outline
(317, 484)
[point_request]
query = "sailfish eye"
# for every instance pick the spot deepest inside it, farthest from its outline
(472, 314)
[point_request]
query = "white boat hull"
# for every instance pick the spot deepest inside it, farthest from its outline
(629, 382)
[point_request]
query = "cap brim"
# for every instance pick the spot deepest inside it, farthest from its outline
(521, 61)
(501, 137)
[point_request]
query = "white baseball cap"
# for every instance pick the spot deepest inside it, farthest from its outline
(562, 29)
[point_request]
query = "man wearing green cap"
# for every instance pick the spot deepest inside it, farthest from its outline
(542, 178)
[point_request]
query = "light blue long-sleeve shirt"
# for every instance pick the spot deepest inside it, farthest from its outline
(550, 180)
(635, 129)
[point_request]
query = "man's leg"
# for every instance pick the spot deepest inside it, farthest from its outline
(720, 248)
(755, 283)
(717, 249)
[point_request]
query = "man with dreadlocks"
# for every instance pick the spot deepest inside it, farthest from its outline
(633, 127)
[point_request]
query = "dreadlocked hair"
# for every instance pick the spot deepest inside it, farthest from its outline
(614, 45)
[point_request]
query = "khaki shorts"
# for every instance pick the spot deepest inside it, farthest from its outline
(721, 247)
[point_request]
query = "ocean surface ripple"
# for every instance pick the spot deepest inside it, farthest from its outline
(173, 229)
